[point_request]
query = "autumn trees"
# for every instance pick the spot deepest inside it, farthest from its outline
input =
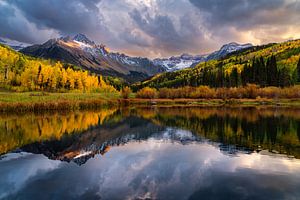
(267, 65)
(262, 71)
(249, 91)
(147, 93)
(26, 74)
(38, 76)
(125, 92)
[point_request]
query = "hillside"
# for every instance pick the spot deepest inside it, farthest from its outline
(184, 61)
(81, 51)
(266, 65)
(23, 73)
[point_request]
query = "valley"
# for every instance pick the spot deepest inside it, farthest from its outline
(76, 65)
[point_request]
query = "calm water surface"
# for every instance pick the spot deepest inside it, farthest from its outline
(152, 153)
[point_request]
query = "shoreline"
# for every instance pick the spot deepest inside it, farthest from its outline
(26, 102)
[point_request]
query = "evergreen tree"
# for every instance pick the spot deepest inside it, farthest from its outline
(234, 77)
(220, 77)
(284, 78)
(272, 71)
(253, 71)
(261, 72)
(298, 70)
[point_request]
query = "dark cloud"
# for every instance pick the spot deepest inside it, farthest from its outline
(135, 37)
(159, 27)
(13, 27)
(165, 34)
(153, 27)
(63, 15)
(151, 167)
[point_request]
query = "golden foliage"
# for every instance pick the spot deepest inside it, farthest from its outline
(125, 92)
(250, 91)
(147, 93)
(16, 131)
(25, 74)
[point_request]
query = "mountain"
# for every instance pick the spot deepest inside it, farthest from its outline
(79, 148)
(81, 51)
(185, 60)
(14, 44)
(274, 64)
(175, 63)
(19, 72)
(227, 49)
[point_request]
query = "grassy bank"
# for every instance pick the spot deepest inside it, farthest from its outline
(37, 101)
(215, 102)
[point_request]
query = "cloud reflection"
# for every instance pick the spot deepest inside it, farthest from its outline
(155, 169)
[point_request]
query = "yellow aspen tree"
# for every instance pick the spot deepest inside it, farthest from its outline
(84, 77)
(70, 79)
(64, 78)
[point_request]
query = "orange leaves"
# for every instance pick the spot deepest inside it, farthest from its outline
(147, 93)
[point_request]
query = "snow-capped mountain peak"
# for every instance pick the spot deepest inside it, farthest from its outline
(178, 62)
(227, 49)
(81, 51)
(233, 46)
(186, 60)
(82, 38)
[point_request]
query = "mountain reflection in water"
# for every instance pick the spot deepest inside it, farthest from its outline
(152, 153)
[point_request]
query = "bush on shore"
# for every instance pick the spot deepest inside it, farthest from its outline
(125, 92)
(147, 93)
(250, 91)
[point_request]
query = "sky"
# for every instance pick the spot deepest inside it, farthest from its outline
(153, 28)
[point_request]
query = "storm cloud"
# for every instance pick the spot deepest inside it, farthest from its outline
(153, 28)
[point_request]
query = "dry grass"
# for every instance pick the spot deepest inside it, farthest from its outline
(204, 92)
(11, 102)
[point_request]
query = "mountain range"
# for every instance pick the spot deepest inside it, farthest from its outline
(175, 63)
(79, 50)
(274, 64)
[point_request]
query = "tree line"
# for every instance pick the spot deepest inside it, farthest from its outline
(21, 73)
(259, 71)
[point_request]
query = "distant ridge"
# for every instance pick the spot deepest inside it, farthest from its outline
(83, 52)
(175, 63)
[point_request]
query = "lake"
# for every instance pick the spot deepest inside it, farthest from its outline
(152, 153)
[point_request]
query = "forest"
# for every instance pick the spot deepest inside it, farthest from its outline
(268, 71)
(22, 73)
(270, 65)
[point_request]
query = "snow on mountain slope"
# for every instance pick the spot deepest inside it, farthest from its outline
(81, 51)
(178, 63)
(227, 49)
(186, 60)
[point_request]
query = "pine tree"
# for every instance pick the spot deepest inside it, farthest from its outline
(220, 77)
(298, 70)
(261, 72)
(284, 78)
(234, 76)
(253, 71)
(272, 71)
